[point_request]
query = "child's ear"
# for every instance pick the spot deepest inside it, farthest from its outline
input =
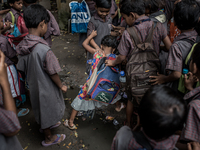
(133, 16)
(11, 4)
(194, 68)
(42, 24)
(113, 50)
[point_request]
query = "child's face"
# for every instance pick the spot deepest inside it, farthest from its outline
(102, 12)
(129, 19)
(17, 5)
(1, 23)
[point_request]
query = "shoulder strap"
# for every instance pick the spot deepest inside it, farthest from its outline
(134, 35)
(13, 17)
(142, 140)
(150, 35)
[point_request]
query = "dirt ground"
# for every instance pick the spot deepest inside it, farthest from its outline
(95, 134)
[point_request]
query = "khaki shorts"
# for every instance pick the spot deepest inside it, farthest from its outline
(134, 99)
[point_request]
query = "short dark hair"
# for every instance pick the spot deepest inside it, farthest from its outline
(109, 41)
(135, 6)
(12, 1)
(30, 1)
(34, 14)
(162, 112)
(154, 5)
(104, 4)
(196, 55)
(186, 14)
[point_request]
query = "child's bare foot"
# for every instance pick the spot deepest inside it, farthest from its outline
(119, 107)
(55, 139)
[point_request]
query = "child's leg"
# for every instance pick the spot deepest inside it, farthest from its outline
(72, 117)
(129, 112)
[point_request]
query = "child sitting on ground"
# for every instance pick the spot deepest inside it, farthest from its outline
(9, 125)
(161, 114)
(82, 102)
(44, 82)
(186, 16)
(52, 27)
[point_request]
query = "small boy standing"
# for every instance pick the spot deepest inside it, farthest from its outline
(134, 14)
(52, 27)
(16, 8)
(186, 16)
(41, 67)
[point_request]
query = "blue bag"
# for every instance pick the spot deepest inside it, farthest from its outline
(103, 84)
(80, 16)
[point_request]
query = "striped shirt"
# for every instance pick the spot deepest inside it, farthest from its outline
(191, 131)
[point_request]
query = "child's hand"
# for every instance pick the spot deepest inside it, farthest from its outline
(64, 88)
(160, 79)
(94, 33)
(8, 25)
(193, 146)
(3, 67)
(110, 63)
(189, 82)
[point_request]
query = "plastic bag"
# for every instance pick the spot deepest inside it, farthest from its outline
(80, 16)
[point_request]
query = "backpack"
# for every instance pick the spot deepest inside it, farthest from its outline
(20, 31)
(144, 62)
(181, 83)
(103, 85)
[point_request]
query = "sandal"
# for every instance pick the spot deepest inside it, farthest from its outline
(54, 142)
(52, 127)
(23, 112)
(66, 123)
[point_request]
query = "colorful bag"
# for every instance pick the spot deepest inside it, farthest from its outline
(80, 16)
(104, 84)
(20, 30)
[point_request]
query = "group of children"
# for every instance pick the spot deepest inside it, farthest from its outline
(162, 112)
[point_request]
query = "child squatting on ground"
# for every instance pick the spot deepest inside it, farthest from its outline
(82, 102)
(34, 52)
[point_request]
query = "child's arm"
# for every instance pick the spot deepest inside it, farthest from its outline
(167, 43)
(52, 67)
(87, 41)
(160, 79)
(115, 62)
(57, 81)
(4, 11)
(9, 123)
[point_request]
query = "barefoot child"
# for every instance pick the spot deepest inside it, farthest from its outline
(82, 102)
(41, 67)
(52, 27)
(9, 125)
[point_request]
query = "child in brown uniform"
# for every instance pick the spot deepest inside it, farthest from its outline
(41, 66)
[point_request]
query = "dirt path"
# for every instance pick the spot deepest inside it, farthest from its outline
(92, 134)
